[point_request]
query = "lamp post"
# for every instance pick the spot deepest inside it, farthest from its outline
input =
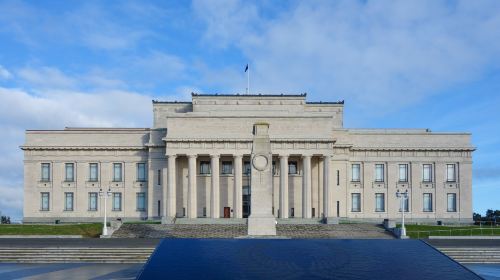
(402, 196)
(105, 195)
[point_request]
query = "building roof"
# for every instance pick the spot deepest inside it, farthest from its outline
(259, 95)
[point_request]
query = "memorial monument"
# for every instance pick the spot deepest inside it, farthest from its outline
(261, 220)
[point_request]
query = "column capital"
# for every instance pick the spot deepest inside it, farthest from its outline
(215, 156)
(171, 155)
(237, 155)
(306, 156)
(283, 155)
(192, 156)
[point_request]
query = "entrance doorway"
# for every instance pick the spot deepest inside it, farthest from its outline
(227, 212)
(246, 201)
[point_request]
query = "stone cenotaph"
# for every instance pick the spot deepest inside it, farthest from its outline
(261, 221)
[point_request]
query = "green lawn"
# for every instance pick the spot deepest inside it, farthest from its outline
(144, 222)
(423, 231)
(86, 230)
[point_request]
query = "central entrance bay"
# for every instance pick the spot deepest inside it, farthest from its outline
(300, 259)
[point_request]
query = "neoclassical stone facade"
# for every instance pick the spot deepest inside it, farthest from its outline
(195, 163)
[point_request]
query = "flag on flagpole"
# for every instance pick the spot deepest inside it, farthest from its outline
(246, 68)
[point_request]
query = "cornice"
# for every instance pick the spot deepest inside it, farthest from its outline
(38, 148)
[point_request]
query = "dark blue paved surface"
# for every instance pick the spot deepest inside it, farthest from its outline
(300, 259)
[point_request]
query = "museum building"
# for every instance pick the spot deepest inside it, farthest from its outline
(195, 163)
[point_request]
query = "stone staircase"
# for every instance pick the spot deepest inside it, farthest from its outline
(238, 230)
(75, 255)
(180, 231)
(473, 255)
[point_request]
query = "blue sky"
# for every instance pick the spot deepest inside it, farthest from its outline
(397, 64)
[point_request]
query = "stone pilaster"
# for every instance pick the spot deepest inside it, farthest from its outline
(192, 188)
(238, 196)
(283, 187)
(214, 194)
(306, 187)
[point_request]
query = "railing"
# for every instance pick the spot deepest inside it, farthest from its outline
(487, 231)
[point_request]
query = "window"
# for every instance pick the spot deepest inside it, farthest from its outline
(117, 172)
(355, 202)
(450, 173)
(379, 172)
(227, 167)
(292, 167)
(94, 173)
(141, 201)
(141, 172)
(379, 202)
(68, 201)
(427, 202)
(159, 177)
(117, 201)
(92, 201)
(338, 177)
(275, 172)
(247, 169)
(406, 205)
(204, 167)
(70, 172)
(403, 172)
(45, 172)
(45, 201)
(427, 173)
(355, 172)
(452, 202)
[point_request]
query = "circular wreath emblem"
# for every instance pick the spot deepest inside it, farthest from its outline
(260, 162)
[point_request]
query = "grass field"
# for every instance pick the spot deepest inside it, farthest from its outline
(424, 231)
(86, 230)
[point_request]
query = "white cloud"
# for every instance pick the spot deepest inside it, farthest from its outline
(378, 54)
(4, 73)
(46, 77)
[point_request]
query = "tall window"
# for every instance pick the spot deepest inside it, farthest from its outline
(204, 167)
(355, 172)
(141, 201)
(356, 202)
(452, 202)
(227, 167)
(45, 201)
(247, 169)
(403, 172)
(117, 201)
(427, 173)
(141, 172)
(92, 201)
(427, 202)
(406, 205)
(69, 172)
(45, 172)
(292, 167)
(275, 172)
(117, 172)
(379, 172)
(68, 201)
(159, 177)
(94, 173)
(450, 173)
(379, 202)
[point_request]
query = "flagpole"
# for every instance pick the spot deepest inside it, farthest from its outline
(248, 80)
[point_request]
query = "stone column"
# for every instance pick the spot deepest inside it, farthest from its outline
(283, 186)
(306, 187)
(169, 194)
(237, 192)
(214, 196)
(327, 202)
(192, 190)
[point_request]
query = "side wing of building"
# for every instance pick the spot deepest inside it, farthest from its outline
(64, 171)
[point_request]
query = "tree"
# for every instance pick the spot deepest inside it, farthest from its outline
(5, 220)
(476, 216)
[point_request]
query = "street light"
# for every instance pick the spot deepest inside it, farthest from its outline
(402, 196)
(105, 195)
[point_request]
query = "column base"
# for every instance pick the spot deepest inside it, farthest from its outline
(331, 220)
(261, 226)
(167, 220)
